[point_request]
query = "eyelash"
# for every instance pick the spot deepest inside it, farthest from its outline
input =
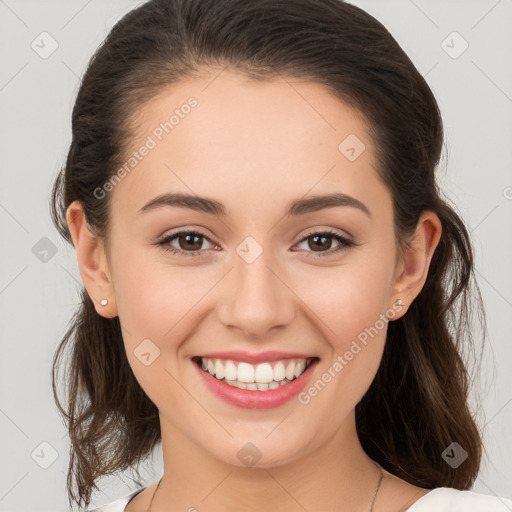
(345, 243)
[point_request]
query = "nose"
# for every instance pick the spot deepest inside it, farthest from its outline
(256, 297)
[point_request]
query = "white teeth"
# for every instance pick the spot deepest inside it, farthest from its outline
(279, 373)
(230, 371)
(264, 376)
(235, 383)
(245, 372)
(256, 386)
(219, 370)
(264, 373)
(290, 370)
(299, 368)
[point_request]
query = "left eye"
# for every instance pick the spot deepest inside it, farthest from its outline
(193, 240)
(319, 239)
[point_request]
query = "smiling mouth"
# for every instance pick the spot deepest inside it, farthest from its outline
(261, 377)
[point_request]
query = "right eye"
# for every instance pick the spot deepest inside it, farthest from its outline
(189, 237)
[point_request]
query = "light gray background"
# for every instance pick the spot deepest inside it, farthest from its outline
(39, 292)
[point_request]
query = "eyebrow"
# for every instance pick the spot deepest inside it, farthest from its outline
(213, 207)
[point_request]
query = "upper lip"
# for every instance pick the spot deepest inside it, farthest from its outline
(272, 355)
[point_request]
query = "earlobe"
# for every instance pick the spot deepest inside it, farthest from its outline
(416, 257)
(92, 261)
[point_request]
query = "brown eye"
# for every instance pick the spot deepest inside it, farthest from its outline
(321, 243)
(189, 243)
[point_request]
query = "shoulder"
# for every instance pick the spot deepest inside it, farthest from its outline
(447, 499)
(118, 505)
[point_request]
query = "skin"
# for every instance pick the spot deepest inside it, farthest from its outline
(255, 146)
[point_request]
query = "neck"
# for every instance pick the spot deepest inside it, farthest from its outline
(337, 475)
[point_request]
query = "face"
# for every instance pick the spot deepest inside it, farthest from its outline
(256, 278)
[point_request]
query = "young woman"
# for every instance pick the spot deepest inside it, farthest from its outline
(275, 290)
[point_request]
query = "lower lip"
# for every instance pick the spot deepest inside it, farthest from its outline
(249, 399)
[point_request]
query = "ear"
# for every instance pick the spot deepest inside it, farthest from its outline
(92, 261)
(414, 262)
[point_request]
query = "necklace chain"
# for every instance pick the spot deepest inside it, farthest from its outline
(370, 507)
(381, 476)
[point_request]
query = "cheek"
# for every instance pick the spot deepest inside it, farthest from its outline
(346, 299)
(349, 310)
(147, 291)
(348, 305)
(157, 305)
(158, 301)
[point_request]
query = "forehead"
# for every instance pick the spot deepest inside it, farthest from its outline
(248, 142)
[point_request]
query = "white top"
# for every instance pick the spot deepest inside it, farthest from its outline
(440, 499)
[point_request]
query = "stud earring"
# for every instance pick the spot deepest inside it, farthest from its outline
(399, 302)
(104, 302)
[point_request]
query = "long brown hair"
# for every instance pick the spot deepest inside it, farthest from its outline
(417, 405)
